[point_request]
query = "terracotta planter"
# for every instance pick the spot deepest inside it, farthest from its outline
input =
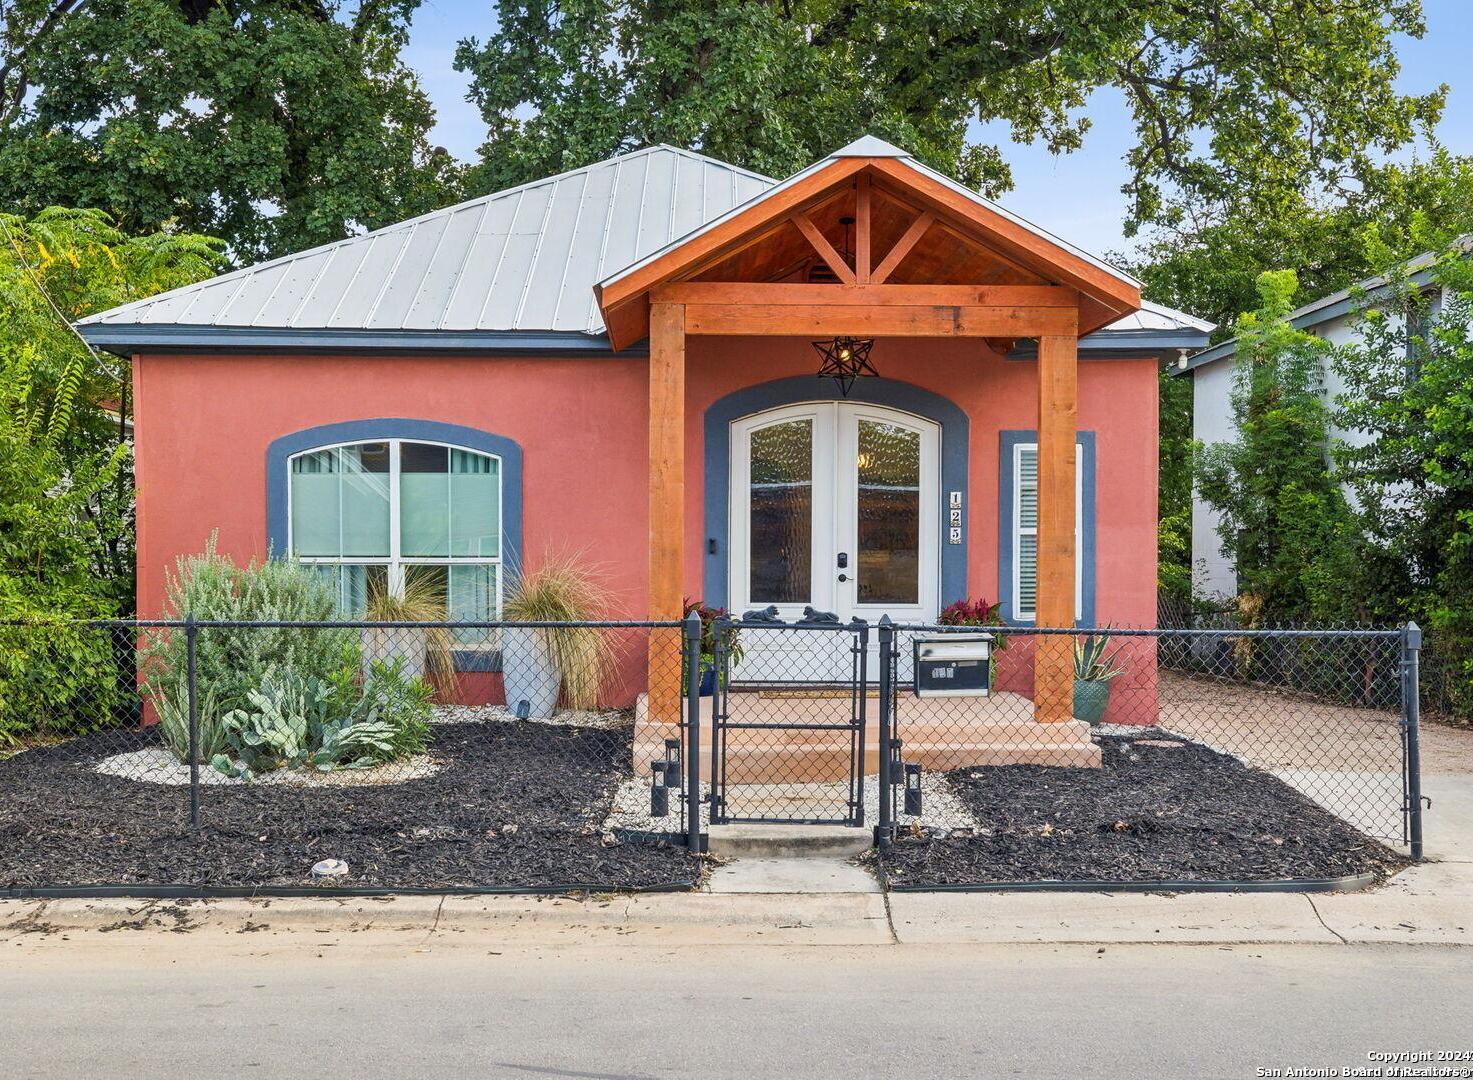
(1091, 697)
(530, 672)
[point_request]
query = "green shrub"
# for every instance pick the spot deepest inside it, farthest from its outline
(61, 679)
(233, 662)
(277, 697)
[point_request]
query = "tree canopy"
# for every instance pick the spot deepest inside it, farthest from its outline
(274, 124)
(1234, 102)
(66, 505)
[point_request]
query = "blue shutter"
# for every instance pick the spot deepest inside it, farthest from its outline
(1017, 516)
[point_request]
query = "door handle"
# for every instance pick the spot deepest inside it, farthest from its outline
(843, 577)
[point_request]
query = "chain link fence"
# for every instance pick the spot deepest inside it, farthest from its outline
(1193, 755)
(274, 756)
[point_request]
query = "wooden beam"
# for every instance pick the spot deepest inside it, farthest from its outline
(862, 218)
(729, 232)
(825, 249)
(667, 499)
(1058, 380)
(902, 247)
(802, 294)
(1003, 233)
(825, 320)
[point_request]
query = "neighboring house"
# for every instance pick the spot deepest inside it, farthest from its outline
(1333, 318)
(621, 361)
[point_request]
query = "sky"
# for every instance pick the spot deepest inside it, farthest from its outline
(1075, 196)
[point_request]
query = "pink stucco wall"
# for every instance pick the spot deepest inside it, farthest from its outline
(203, 424)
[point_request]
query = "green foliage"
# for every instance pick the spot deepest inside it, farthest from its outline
(1409, 461)
(172, 708)
(66, 485)
(1174, 491)
(301, 721)
(1270, 97)
(276, 697)
(1210, 265)
(392, 699)
(199, 114)
(1094, 661)
(272, 731)
(233, 663)
(1284, 521)
(66, 542)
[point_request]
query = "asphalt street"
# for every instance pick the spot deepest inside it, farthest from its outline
(166, 1005)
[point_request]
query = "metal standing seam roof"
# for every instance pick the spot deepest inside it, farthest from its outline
(518, 266)
(521, 259)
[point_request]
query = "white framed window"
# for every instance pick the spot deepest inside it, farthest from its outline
(379, 513)
(1025, 531)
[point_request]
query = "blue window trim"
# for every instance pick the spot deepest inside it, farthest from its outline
(507, 450)
(1008, 443)
(955, 436)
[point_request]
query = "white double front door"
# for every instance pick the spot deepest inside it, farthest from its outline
(834, 506)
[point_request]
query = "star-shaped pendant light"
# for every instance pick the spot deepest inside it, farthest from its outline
(845, 359)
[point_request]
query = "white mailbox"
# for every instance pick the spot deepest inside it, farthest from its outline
(953, 665)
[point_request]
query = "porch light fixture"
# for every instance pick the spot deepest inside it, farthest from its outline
(913, 788)
(659, 793)
(845, 359)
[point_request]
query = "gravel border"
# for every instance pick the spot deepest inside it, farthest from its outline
(602, 719)
(158, 765)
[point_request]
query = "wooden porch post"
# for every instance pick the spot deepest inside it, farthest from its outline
(667, 503)
(1053, 665)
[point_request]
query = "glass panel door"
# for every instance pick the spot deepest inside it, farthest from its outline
(780, 539)
(888, 513)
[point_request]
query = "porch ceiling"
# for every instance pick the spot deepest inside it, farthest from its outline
(881, 219)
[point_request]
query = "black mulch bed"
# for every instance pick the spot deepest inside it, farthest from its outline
(513, 805)
(1151, 813)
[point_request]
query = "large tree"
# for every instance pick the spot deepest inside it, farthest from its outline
(1283, 519)
(274, 124)
(1209, 268)
(66, 495)
(1267, 97)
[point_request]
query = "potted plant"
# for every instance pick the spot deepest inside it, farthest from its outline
(1095, 667)
(978, 613)
(730, 642)
(412, 649)
(542, 666)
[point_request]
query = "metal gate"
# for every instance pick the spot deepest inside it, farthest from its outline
(788, 722)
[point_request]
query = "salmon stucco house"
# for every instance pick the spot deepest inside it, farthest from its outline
(622, 360)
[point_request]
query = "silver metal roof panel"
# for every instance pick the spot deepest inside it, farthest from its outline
(524, 260)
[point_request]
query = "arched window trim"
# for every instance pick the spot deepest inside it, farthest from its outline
(395, 560)
(395, 429)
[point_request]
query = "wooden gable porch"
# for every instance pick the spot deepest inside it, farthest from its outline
(870, 245)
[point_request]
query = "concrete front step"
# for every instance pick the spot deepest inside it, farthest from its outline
(938, 734)
(788, 841)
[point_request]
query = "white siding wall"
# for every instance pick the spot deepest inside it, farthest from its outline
(1212, 422)
(1212, 388)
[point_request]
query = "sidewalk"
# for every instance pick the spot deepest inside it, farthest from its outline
(1428, 904)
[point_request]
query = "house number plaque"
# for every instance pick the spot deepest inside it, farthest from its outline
(954, 530)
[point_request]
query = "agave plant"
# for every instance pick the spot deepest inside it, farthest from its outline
(1093, 662)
